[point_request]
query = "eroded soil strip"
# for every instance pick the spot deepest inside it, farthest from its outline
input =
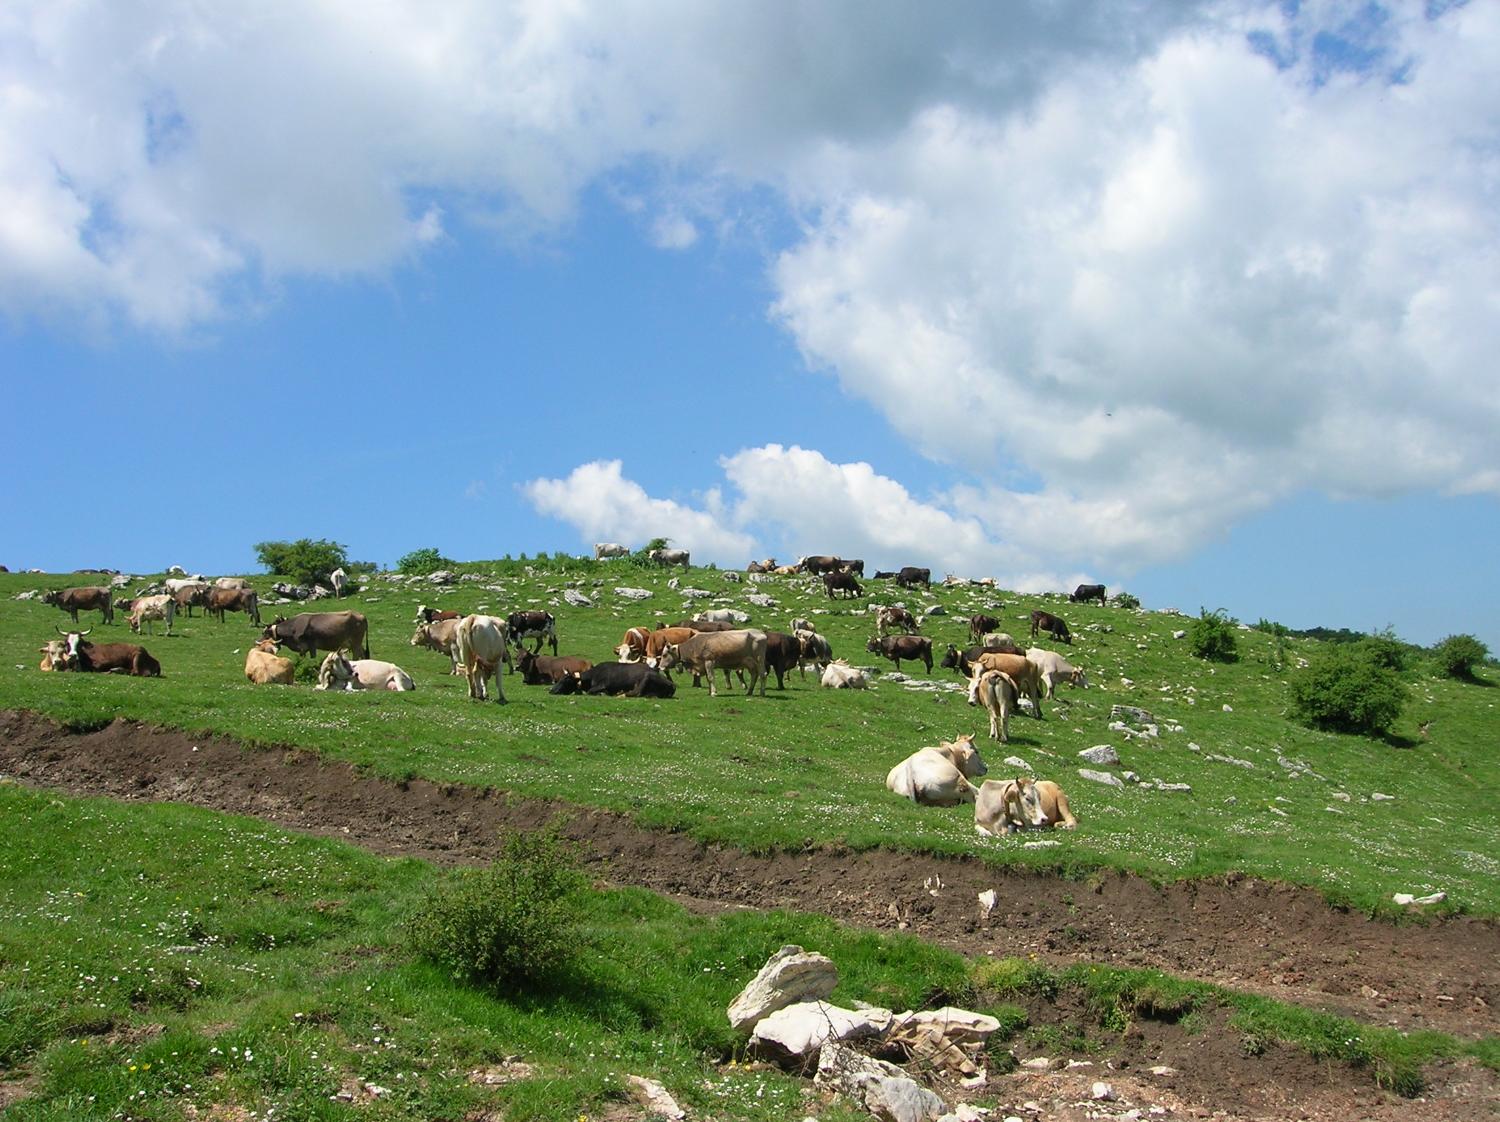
(1239, 932)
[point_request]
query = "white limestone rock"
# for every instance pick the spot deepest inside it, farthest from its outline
(790, 975)
(792, 1036)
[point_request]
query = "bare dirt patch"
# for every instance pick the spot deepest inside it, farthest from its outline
(1240, 932)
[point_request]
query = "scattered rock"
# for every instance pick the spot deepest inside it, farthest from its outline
(1017, 762)
(1377, 797)
(761, 600)
(654, 1097)
(790, 975)
(633, 593)
(987, 901)
(1100, 754)
(577, 599)
(792, 1036)
(1102, 1091)
(1100, 777)
(882, 1088)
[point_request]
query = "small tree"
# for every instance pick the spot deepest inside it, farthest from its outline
(304, 560)
(1212, 636)
(420, 562)
(1457, 654)
(1348, 689)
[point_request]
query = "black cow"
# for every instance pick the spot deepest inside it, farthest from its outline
(547, 670)
(961, 661)
(1088, 592)
(632, 679)
(783, 653)
(843, 582)
(909, 575)
(311, 632)
(533, 625)
(909, 647)
(882, 574)
(1046, 621)
(982, 625)
(89, 599)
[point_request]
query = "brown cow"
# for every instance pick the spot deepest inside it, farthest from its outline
(221, 600)
(1022, 671)
(87, 599)
(727, 650)
(107, 658)
(1053, 625)
(981, 625)
(548, 670)
(913, 648)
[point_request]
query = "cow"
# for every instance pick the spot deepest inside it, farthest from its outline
(783, 653)
(548, 670)
(669, 557)
(939, 776)
(997, 808)
(1054, 626)
(264, 667)
(440, 635)
(889, 618)
(896, 647)
(731, 616)
(145, 609)
(221, 600)
(339, 673)
(910, 575)
(787, 570)
(766, 566)
(311, 632)
(540, 626)
(997, 692)
(818, 564)
(54, 655)
(726, 650)
(1085, 592)
(627, 679)
(642, 643)
(106, 658)
(1022, 671)
(173, 585)
(857, 566)
(340, 581)
(87, 599)
(232, 582)
(839, 675)
(483, 644)
(190, 593)
(1043, 803)
(800, 624)
(609, 549)
(981, 625)
(842, 582)
(961, 661)
(432, 615)
(1053, 668)
(882, 574)
(815, 649)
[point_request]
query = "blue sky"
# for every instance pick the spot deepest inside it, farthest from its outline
(1195, 300)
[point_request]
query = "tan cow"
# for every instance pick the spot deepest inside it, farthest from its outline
(1053, 669)
(726, 650)
(1043, 803)
(998, 694)
(483, 644)
(839, 675)
(144, 609)
(1025, 673)
(939, 776)
(264, 667)
(339, 673)
(643, 643)
(997, 808)
(439, 635)
(54, 655)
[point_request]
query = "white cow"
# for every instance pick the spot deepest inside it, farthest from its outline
(939, 776)
(999, 641)
(148, 608)
(483, 644)
(1053, 668)
(232, 582)
(340, 580)
(338, 672)
(997, 808)
(839, 675)
(609, 549)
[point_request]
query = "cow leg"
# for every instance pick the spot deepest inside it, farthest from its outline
(708, 670)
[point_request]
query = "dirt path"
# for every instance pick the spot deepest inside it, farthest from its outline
(1244, 933)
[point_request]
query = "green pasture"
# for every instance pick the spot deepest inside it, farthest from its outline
(1268, 797)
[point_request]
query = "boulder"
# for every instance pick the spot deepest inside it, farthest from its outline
(792, 1036)
(577, 599)
(654, 1097)
(1100, 754)
(790, 975)
(958, 1025)
(883, 1089)
(1100, 777)
(633, 593)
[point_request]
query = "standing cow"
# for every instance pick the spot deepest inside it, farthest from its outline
(86, 599)
(1085, 592)
(669, 557)
(727, 650)
(311, 632)
(540, 626)
(483, 644)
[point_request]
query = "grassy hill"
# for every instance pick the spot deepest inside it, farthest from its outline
(1268, 796)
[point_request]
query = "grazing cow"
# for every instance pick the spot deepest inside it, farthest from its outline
(340, 581)
(997, 807)
(997, 692)
(909, 576)
(338, 673)
(939, 776)
(669, 557)
(540, 626)
(609, 549)
(548, 670)
(221, 600)
(189, 594)
(1023, 672)
(627, 679)
(264, 667)
(726, 650)
(889, 618)
(815, 649)
(1053, 668)
(981, 625)
(1088, 592)
(766, 566)
(839, 675)
(432, 615)
(483, 644)
(897, 647)
(783, 653)
(145, 609)
(440, 635)
(311, 632)
(857, 566)
(842, 582)
(1054, 626)
(231, 582)
(819, 563)
(1043, 803)
(106, 658)
(87, 599)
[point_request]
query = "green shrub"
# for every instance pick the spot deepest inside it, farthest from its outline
(1126, 600)
(515, 922)
(420, 562)
(304, 560)
(1212, 636)
(1348, 689)
(1456, 655)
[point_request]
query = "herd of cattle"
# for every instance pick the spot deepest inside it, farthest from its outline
(1000, 674)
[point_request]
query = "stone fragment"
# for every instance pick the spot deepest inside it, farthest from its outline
(1100, 777)
(1101, 1091)
(577, 599)
(654, 1097)
(882, 1088)
(792, 1036)
(790, 975)
(1100, 754)
(959, 1025)
(633, 593)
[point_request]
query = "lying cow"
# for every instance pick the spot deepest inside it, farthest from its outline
(766, 566)
(1054, 668)
(619, 679)
(1085, 592)
(87, 599)
(839, 675)
(548, 670)
(483, 644)
(442, 636)
(263, 666)
(1044, 804)
(896, 647)
(1053, 625)
(887, 619)
(339, 673)
(54, 655)
(726, 650)
(939, 776)
(997, 808)
(106, 658)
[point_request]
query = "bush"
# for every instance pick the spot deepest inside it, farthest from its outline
(1212, 636)
(304, 560)
(1456, 655)
(1384, 649)
(515, 922)
(420, 562)
(1347, 689)
(1126, 600)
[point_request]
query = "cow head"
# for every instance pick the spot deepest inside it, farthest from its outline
(335, 673)
(1030, 801)
(668, 658)
(72, 642)
(965, 756)
(267, 646)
